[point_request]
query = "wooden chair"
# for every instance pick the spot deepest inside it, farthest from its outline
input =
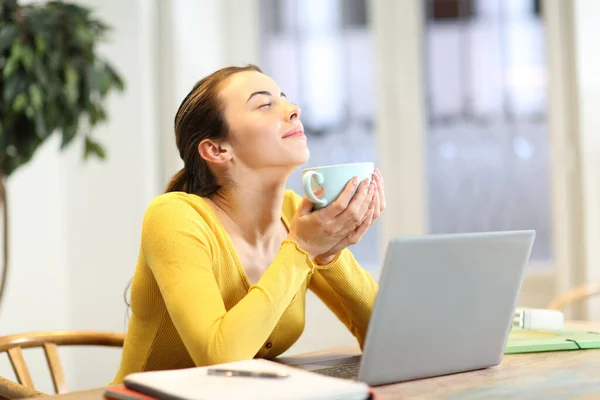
(14, 344)
(574, 295)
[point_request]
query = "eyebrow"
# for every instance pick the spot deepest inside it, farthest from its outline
(264, 92)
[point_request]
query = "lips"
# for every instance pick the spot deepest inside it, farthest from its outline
(296, 132)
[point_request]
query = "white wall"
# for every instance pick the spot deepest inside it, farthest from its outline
(197, 38)
(37, 291)
(75, 226)
(189, 50)
(106, 200)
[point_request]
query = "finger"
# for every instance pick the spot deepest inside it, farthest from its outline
(355, 214)
(356, 234)
(319, 192)
(341, 203)
(373, 218)
(380, 191)
(362, 228)
(379, 178)
(364, 207)
(376, 206)
(345, 223)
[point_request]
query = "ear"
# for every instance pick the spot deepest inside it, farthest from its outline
(213, 152)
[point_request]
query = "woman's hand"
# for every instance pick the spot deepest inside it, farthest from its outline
(357, 234)
(320, 231)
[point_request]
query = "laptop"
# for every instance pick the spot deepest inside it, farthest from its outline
(445, 305)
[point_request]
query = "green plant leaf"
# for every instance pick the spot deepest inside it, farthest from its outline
(52, 78)
(95, 77)
(8, 9)
(96, 114)
(29, 112)
(84, 35)
(71, 76)
(114, 76)
(103, 80)
(13, 86)
(27, 58)
(41, 74)
(36, 96)
(40, 44)
(71, 82)
(93, 148)
(20, 103)
(40, 126)
(8, 35)
(11, 66)
(69, 133)
(16, 49)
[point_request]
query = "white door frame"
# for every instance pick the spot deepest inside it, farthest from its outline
(565, 173)
(584, 15)
(397, 28)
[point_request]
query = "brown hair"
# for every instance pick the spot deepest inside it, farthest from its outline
(200, 117)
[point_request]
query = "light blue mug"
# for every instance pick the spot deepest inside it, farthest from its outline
(334, 179)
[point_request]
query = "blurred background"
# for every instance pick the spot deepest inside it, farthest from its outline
(480, 113)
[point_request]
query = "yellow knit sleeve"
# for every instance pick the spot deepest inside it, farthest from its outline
(348, 290)
(175, 243)
(343, 285)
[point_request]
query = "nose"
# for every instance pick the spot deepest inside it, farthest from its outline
(293, 112)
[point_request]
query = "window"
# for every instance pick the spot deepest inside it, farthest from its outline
(487, 141)
(319, 51)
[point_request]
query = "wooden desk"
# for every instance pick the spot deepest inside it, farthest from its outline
(556, 375)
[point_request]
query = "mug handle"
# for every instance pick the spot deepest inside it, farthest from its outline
(306, 181)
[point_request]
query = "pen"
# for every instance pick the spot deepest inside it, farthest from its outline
(250, 374)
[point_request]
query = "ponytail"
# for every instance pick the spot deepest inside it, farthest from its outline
(179, 182)
(203, 183)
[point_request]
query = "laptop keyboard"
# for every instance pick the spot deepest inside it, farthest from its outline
(345, 371)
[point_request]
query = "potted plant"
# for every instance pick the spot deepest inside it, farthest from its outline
(52, 81)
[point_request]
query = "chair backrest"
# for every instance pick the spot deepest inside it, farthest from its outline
(49, 341)
(574, 295)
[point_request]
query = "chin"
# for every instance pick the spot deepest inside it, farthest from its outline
(304, 157)
(293, 160)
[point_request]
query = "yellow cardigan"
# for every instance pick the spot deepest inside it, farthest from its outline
(192, 304)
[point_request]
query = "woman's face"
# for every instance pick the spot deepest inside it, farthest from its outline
(265, 131)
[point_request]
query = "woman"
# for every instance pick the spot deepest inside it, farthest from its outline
(227, 254)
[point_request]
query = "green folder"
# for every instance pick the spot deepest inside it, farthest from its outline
(528, 341)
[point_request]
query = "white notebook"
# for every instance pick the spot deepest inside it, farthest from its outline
(197, 384)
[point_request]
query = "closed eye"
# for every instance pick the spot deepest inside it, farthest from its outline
(266, 105)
